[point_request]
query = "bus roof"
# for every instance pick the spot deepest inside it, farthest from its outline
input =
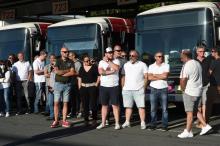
(22, 25)
(183, 6)
(104, 22)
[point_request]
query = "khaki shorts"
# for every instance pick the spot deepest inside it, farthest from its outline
(191, 103)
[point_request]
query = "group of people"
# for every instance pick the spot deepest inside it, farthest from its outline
(70, 86)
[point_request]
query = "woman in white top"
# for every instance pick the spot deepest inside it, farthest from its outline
(5, 79)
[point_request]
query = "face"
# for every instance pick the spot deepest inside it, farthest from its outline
(20, 57)
(183, 58)
(200, 52)
(133, 56)
(123, 55)
(64, 52)
(109, 55)
(10, 58)
(86, 61)
(159, 57)
(70, 56)
(44, 56)
(52, 59)
(117, 51)
(213, 52)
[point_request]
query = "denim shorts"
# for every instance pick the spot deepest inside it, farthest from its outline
(191, 103)
(62, 91)
(131, 96)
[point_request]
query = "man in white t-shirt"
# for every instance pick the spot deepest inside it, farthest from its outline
(39, 79)
(158, 73)
(191, 85)
(109, 86)
(23, 72)
(134, 81)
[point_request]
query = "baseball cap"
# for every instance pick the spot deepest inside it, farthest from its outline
(109, 49)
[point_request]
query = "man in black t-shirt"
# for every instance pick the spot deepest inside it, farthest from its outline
(64, 70)
(205, 64)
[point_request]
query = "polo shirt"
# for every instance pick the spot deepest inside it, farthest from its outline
(21, 69)
(156, 69)
(134, 75)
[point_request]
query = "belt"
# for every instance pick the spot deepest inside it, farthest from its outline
(88, 84)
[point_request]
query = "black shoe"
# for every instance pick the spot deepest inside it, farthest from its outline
(50, 119)
(152, 127)
(36, 113)
(164, 128)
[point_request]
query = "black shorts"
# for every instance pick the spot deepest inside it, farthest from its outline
(109, 95)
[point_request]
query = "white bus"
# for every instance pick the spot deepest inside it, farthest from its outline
(176, 27)
(22, 37)
(90, 35)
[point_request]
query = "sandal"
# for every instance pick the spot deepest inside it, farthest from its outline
(55, 124)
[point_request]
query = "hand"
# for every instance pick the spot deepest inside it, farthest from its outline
(105, 59)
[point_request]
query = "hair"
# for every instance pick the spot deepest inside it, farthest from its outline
(43, 52)
(161, 52)
(52, 55)
(85, 56)
(74, 54)
(187, 53)
(135, 52)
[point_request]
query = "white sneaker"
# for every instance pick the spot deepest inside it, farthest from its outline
(117, 127)
(143, 125)
(106, 123)
(2, 115)
(126, 124)
(7, 114)
(101, 126)
(185, 134)
(205, 129)
(79, 115)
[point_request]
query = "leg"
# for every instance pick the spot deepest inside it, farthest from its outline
(19, 93)
(116, 113)
(93, 102)
(189, 120)
(66, 97)
(7, 102)
(153, 103)
(56, 111)
(65, 110)
(50, 99)
(37, 97)
(128, 112)
(104, 113)
(85, 100)
(25, 87)
(142, 114)
(163, 103)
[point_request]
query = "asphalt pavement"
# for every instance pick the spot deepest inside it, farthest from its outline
(34, 130)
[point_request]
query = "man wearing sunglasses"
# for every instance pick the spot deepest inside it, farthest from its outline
(134, 81)
(158, 73)
(64, 70)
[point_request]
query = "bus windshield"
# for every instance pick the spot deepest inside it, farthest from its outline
(80, 39)
(12, 41)
(173, 32)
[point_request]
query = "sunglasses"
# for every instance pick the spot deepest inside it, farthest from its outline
(213, 51)
(132, 55)
(87, 61)
(65, 52)
(123, 55)
(118, 50)
(159, 56)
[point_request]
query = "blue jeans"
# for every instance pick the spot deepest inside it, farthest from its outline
(40, 88)
(4, 100)
(161, 95)
(50, 100)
